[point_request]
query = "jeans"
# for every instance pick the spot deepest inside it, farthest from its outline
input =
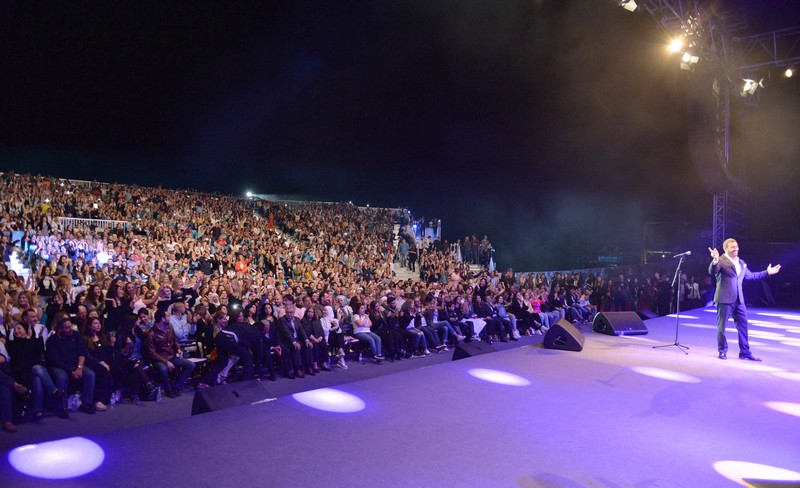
(183, 368)
(41, 383)
(446, 327)
(431, 336)
(62, 381)
(373, 340)
(415, 339)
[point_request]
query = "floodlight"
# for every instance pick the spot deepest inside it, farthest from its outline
(629, 5)
(750, 86)
(249, 194)
(676, 45)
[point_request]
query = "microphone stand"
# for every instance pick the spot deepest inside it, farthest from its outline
(677, 279)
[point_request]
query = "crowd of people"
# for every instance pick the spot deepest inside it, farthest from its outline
(137, 292)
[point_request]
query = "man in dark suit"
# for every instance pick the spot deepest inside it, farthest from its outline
(293, 340)
(730, 272)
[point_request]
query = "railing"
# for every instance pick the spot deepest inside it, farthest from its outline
(72, 222)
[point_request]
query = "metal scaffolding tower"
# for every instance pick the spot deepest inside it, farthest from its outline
(727, 61)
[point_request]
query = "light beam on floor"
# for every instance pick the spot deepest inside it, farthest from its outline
(665, 374)
(740, 471)
(330, 400)
(58, 460)
(499, 377)
(785, 407)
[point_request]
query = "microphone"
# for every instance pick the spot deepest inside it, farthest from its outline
(687, 253)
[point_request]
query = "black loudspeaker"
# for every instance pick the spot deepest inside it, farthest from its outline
(646, 314)
(563, 335)
(619, 323)
(469, 349)
(225, 396)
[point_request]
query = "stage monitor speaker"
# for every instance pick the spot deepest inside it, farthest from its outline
(233, 395)
(646, 314)
(563, 335)
(469, 349)
(619, 323)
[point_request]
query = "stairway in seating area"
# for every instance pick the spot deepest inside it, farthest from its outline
(22, 269)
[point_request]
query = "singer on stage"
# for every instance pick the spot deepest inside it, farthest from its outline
(730, 272)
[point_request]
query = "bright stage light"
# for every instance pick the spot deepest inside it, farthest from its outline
(330, 400)
(740, 471)
(58, 460)
(676, 45)
(750, 86)
(499, 377)
(785, 407)
(629, 5)
(665, 374)
(249, 194)
(788, 73)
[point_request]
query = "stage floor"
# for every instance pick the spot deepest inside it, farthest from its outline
(618, 414)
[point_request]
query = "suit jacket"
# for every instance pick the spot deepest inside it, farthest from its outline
(729, 283)
(285, 333)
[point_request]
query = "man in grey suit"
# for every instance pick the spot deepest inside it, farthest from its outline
(730, 272)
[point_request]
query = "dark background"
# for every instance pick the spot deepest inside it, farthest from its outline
(558, 128)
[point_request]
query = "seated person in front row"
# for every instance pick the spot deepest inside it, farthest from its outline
(294, 342)
(66, 354)
(166, 355)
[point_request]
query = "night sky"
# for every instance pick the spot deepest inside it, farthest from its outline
(557, 127)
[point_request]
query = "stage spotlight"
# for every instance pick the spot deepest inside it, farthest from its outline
(688, 58)
(688, 61)
(788, 73)
(676, 45)
(249, 194)
(749, 87)
(629, 5)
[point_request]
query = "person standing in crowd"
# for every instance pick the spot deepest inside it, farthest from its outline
(403, 249)
(412, 258)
